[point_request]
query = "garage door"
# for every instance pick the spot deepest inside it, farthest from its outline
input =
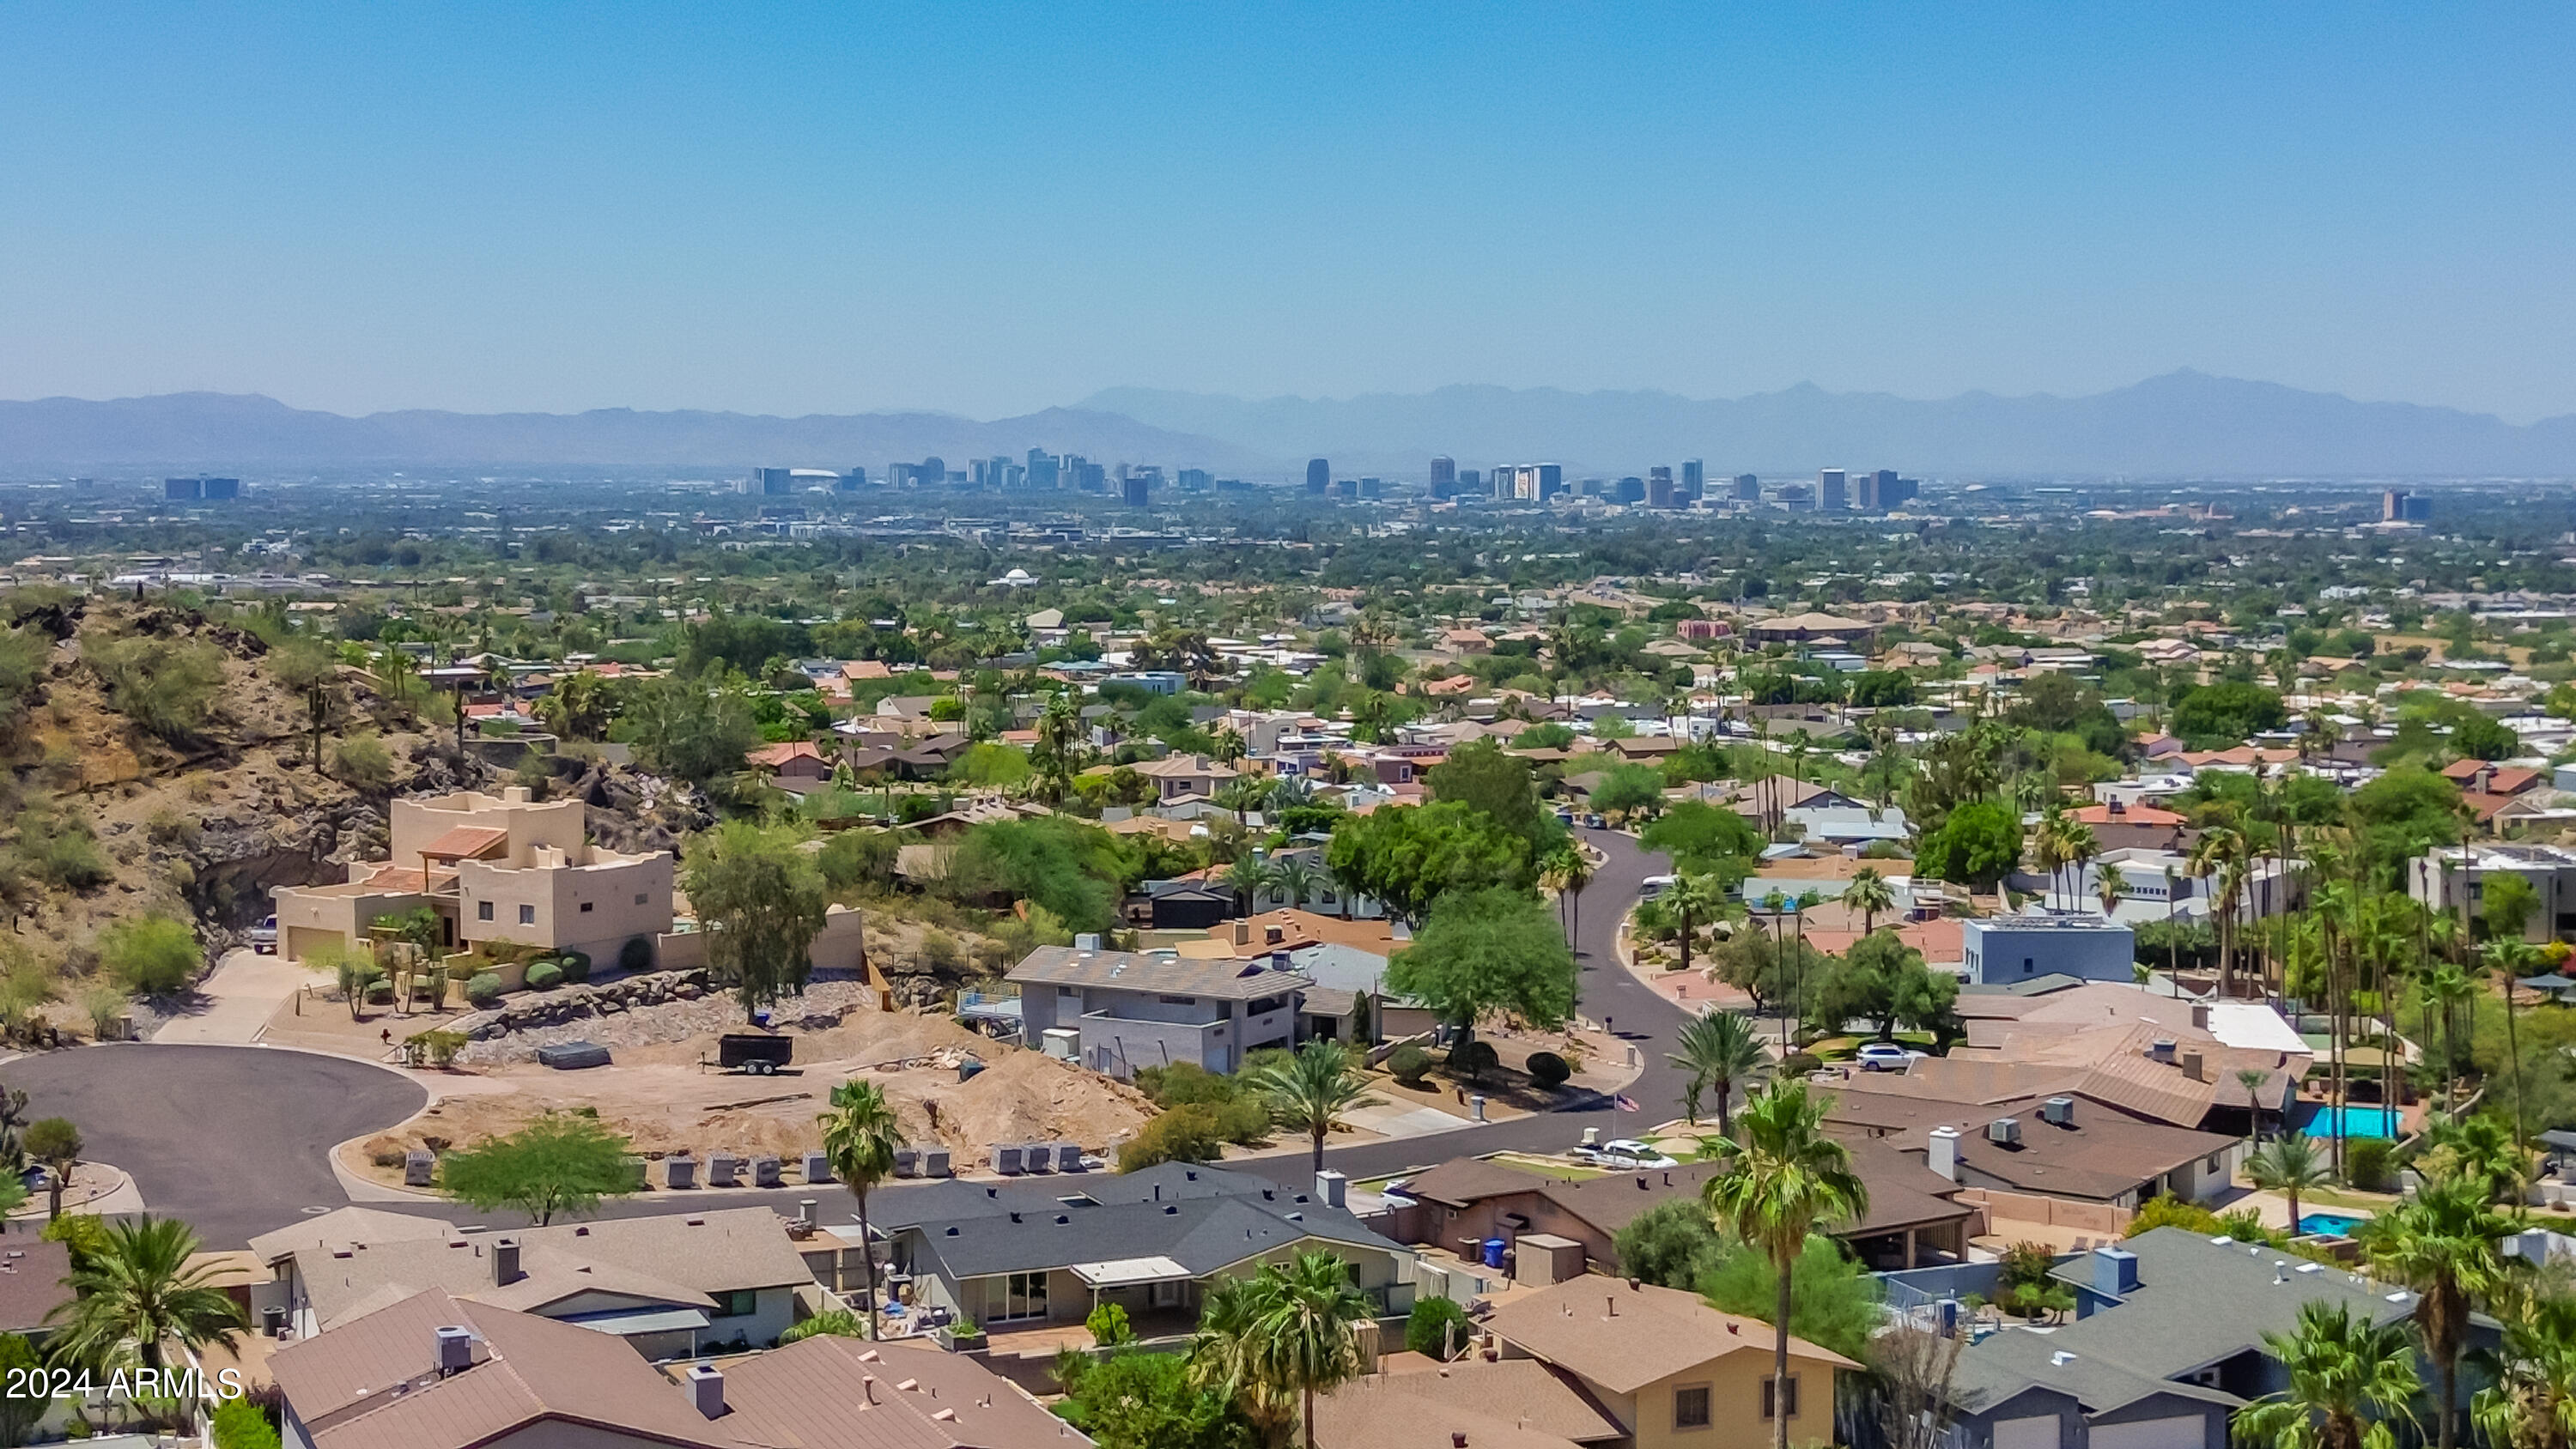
(2039, 1433)
(2188, 1432)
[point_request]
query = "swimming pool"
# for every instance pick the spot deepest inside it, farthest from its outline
(2351, 1122)
(2330, 1225)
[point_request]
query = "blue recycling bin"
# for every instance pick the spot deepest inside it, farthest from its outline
(1493, 1252)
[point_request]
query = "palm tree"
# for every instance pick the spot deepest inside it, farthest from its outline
(2442, 1244)
(2217, 852)
(2048, 846)
(1574, 871)
(2252, 1080)
(2108, 886)
(2347, 1376)
(1294, 880)
(2530, 1400)
(1783, 1180)
(1869, 893)
(136, 1294)
(2513, 960)
(858, 1138)
(1694, 900)
(1312, 1090)
(1248, 878)
(1719, 1049)
(2289, 1165)
(1283, 1334)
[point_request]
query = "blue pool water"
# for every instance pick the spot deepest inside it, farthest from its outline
(2332, 1225)
(2351, 1122)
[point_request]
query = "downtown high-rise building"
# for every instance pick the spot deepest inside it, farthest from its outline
(1444, 477)
(1882, 490)
(1529, 482)
(1044, 469)
(1833, 490)
(1748, 488)
(1694, 480)
(1319, 476)
(1659, 488)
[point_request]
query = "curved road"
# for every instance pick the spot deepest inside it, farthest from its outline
(237, 1140)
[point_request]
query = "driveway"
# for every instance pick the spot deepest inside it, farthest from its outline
(231, 1007)
(236, 1140)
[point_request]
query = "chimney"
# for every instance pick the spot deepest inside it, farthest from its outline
(1243, 932)
(805, 1213)
(2191, 1062)
(1942, 1152)
(505, 1262)
(2115, 1272)
(1331, 1188)
(455, 1351)
(2200, 1015)
(706, 1390)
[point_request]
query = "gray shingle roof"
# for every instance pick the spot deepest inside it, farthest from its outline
(1201, 1234)
(1225, 979)
(954, 1199)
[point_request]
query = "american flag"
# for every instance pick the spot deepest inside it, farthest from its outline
(1624, 1102)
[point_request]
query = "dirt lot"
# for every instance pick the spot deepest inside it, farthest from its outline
(658, 1095)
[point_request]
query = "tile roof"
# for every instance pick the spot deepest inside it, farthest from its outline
(829, 1392)
(1623, 1336)
(2101, 1155)
(1509, 1404)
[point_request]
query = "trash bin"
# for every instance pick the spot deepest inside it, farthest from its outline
(1493, 1252)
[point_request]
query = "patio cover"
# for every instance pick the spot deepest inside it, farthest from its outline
(1128, 1272)
(2562, 1141)
(630, 1321)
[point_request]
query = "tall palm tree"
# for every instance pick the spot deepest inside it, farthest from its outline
(1294, 880)
(1288, 1332)
(2512, 960)
(2108, 886)
(2442, 1244)
(2530, 1398)
(2289, 1166)
(2252, 1080)
(1225, 1355)
(1784, 1179)
(858, 1138)
(135, 1294)
(2347, 1378)
(2048, 846)
(2216, 853)
(1719, 1049)
(1869, 893)
(1248, 877)
(1695, 901)
(1312, 1090)
(1576, 873)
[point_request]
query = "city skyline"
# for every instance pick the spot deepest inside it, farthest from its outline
(1002, 209)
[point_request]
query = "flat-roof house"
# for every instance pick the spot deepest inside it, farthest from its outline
(506, 869)
(2005, 949)
(1134, 1009)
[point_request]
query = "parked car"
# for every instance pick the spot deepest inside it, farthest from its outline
(263, 937)
(1593, 822)
(1621, 1154)
(1885, 1056)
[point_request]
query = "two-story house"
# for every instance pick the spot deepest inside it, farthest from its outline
(1131, 1009)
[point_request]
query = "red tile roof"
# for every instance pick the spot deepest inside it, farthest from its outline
(466, 842)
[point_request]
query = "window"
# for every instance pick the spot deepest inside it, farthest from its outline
(1068, 991)
(585, 908)
(1770, 1387)
(1690, 1407)
(1015, 1296)
(1178, 1000)
(527, 915)
(482, 910)
(737, 1303)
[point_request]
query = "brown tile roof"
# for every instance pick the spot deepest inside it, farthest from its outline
(1305, 928)
(372, 1383)
(465, 842)
(31, 1283)
(1464, 1180)
(841, 1393)
(2103, 1154)
(1510, 1404)
(1624, 1336)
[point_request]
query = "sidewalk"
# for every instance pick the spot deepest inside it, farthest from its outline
(235, 1002)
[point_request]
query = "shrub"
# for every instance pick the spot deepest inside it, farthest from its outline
(1109, 1326)
(167, 687)
(62, 850)
(576, 966)
(1429, 1329)
(1244, 1120)
(380, 992)
(635, 955)
(150, 955)
(242, 1424)
(853, 856)
(545, 976)
(1408, 1062)
(361, 760)
(483, 989)
(2366, 1161)
(1547, 1069)
(1473, 1059)
(1184, 1134)
(1799, 1064)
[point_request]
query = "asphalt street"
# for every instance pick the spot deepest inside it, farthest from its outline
(237, 1139)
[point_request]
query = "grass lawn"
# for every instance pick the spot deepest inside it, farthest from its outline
(1549, 1167)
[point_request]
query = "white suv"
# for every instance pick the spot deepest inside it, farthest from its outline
(1885, 1056)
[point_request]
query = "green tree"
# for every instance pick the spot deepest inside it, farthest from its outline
(761, 901)
(1076, 870)
(561, 1162)
(2348, 1378)
(1705, 839)
(1834, 1300)
(1718, 1049)
(830, 1323)
(2289, 1166)
(1312, 1090)
(2217, 716)
(578, 707)
(54, 1144)
(21, 1413)
(1871, 894)
(2505, 904)
(151, 955)
(1671, 1244)
(1437, 1328)
(242, 1424)
(1287, 1333)
(689, 729)
(1138, 1400)
(1479, 775)
(2529, 1401)
(168, 687)
(1629, 791)
(1408, 856)
(135, 1294)
(858, 1138)
(1784, 1178)
(2442, 1244)
(1977, 846)
(1693, 901)
(1488, 950)
(1884, 981)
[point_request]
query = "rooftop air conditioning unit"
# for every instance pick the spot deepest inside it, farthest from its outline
(2004, 1132)
(2058, 1110)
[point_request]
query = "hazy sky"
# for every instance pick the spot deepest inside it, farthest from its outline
(990, 210)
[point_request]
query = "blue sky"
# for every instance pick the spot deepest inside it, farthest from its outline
(993, 209)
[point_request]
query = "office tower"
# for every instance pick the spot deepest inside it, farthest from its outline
(1319, 476)
(1895, 492)
(1798, 497)
(1372, 487)
(1833, 493)
(1659, 488)
(1694, 480)
(2395, 506)
(221, 489)
(1135, 486)
(215, 490)
(1347, 489)
(1444, 477)
(1471, 481)
(852, 481)
(1748, 488)
(175, 489)
(1042, 468)
(934, 470)
(1192, 480)
(1551, 480)
(770, 482)
(1631, 490)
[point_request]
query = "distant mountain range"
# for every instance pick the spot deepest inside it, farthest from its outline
(2182, 424)
(220, 430)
